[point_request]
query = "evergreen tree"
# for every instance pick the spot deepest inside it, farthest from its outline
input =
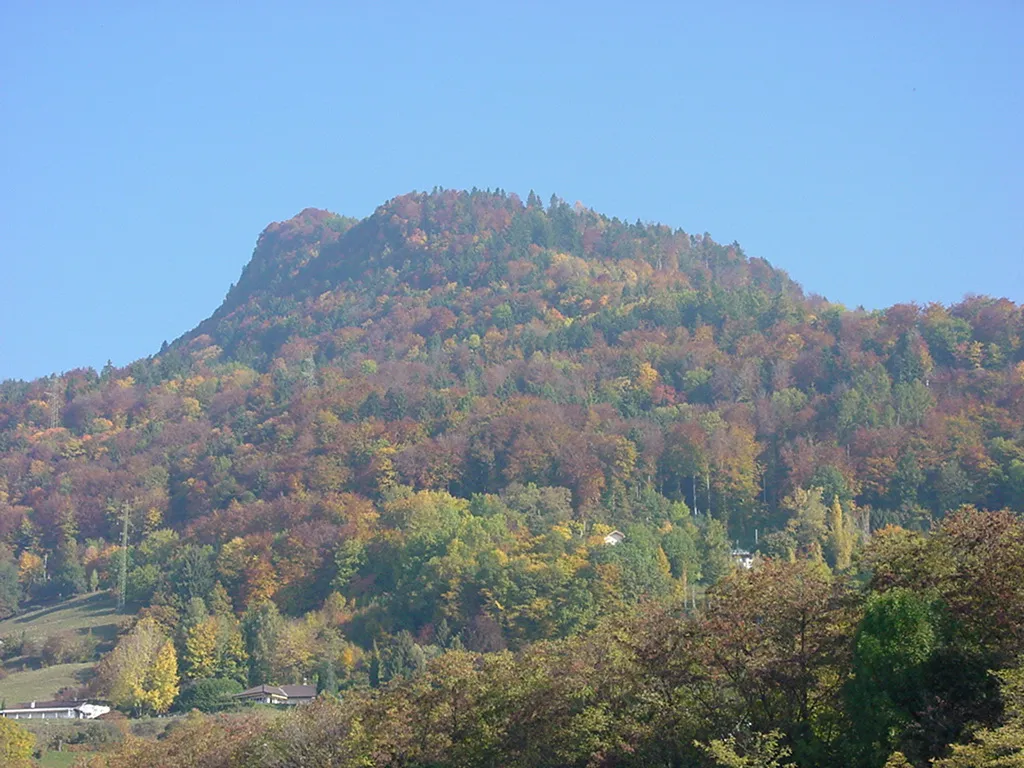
(680, 547)
(717, 551)
(68, 573)
(326, 678)
(261, 628)
(10, 587)
(809, 521)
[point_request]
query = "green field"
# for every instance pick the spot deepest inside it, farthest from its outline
(96, 612)
(52, 759)
(42, 684)
(26, 679)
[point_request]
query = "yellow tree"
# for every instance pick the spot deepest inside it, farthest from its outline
(16, 745)
(898, 760)
(295, 650)
(161, 682)
(760, 750)
(30, 568)
(201, 649)
(141, 673)
(841, 537)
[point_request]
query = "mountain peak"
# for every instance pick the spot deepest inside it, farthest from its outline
(489, 242)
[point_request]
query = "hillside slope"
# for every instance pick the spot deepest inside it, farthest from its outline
(539, 370)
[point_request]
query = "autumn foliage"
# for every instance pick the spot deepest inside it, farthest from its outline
(409, 435)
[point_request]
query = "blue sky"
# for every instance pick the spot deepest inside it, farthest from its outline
(872, 149)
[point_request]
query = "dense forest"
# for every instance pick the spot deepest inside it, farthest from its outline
(388, 463)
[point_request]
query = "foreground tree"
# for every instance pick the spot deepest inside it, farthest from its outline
(760, 750)
(1001, 747)
(777, 639)
(895, 641)
(16, 745)
(208, 695)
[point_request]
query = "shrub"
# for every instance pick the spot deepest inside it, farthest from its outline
(11, 646)
(67, 648)
(207, 695)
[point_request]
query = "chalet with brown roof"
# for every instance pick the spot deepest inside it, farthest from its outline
(278, 694)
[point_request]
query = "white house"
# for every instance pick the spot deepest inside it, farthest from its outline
(55, 710)
(615, 537)
(743, 558)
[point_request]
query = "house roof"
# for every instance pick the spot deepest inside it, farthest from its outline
(299, 691)
(285, 691)
(262, 690)
(50, 704)
(83, 708)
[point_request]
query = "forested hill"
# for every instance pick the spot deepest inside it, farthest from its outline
(548, 374)
(412, 249)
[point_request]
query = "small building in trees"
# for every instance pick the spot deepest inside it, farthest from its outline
(615, 537)
(743, 558)
(55, 710)
(278, 694)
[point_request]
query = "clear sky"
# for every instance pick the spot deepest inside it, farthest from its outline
(874, 150)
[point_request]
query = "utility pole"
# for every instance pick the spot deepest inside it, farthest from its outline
(122, 580)
(55, 402)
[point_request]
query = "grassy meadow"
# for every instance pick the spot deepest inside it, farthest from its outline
(88, 623)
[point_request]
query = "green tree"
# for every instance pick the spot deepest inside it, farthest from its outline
(207, 695)
(645, 571)
(261, 627)
(779, 545)
(913, 401)
(193, 571)
(398, 658)
(10, 587)
(906, 480)
(833, 484)
(998, 747)
(68, 574)
(348, 560)
(952, 487)
(717, 551)
(231, 660)
(326, 678)
(680, 546)
(895, 641)
(808, 522)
